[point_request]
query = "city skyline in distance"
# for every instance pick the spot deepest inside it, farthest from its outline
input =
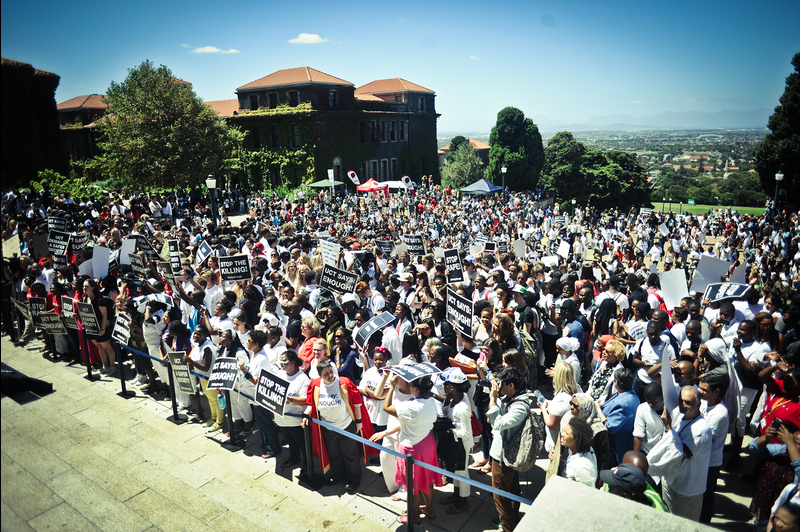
(578, 63)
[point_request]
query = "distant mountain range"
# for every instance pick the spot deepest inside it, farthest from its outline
(724, 119)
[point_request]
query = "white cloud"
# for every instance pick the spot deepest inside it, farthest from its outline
(473, 57)
(308, 38)
(637, 102)
(214, 50)
(184, 45)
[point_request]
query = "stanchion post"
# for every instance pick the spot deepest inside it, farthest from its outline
(314, 481)
(121, 371)
(229, 416)
(175, 418)
(410, 491)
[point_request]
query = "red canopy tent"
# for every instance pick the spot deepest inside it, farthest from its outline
(374, 186)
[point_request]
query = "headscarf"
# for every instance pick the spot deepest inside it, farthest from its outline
(587, 411)
(568, 344)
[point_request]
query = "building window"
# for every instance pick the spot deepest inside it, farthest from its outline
(275, 172)
(273, 100)
(405, 128)
(253, 102)
(384, 170)
(393, 131)
(298, 176)
(373, 169)
(393, 169)
(294, 98)
(398, 98)
(256, 138)
(363, 171)
(331, 98)
(295, 136)
(361, 134)
(402, 131)
(421, 103)
(383, 130)
(276, 137)
(372, 130)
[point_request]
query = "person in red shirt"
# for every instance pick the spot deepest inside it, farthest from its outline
(783, 395)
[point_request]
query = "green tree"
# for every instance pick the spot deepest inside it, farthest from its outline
(780, 149)
(158, 133)
(516, 144)
(563, 166)
(464, 168)
(456, 143)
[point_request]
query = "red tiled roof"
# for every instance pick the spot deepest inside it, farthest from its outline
(383, 86)
(295, 76)
(476, 145)
(225, 108)
(369, 97)
(89, 101)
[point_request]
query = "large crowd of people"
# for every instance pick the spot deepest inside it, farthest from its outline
(643, 395)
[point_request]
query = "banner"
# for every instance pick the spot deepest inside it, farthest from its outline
(79, 241)
(459, 312)
(137, 265)
(122, 329)
(235, 268)
(60, 261)
(415, 243)
(203, 252)
(412, 372)
(719, 291)
(337, 280)
(89, 320)
(174, 255)
(180, 369)
(271, 392)
(51, 322)
(58, 242)
(378, 322)
(452, 263)
(223, 373)
(354, 178)
(330, 252)
(68, 312)
(56, 224)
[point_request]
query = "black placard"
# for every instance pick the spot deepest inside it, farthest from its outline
(143, 244)
(38, 306)
(23, 308)
(452, 263)
(122, 329)
(58, 242)
(412, 372)
(337, 280)
(415, 243)
(235, 268)
(720, 291)
(169, 275)
(51, 322)
(137, 265)
(174, 255)
(271, 392)
(560, 220)
(56, 224)
(59, 261)
(459, 312)
(79, 241)
(203, 252)
(387, 246)
(68, 312)
(378, 322)
(224, 373)
(502, 247)
(180, 369)
(88, 318)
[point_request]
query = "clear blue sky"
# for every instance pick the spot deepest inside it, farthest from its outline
(566, 60)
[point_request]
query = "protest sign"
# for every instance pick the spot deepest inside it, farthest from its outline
(100, 258)
(563, 249)
(709, 270)
(673, 287)
(550, 261)
(387, 246)
(489, 248)
(459, 312)
(519, 248)
(11, 247)
(438, 252)
(502, 247)
(180, 369)
(739, 274)
(162, 298)
(223, 373)
(88, 318)
(169, 276)
(60, 261)
(644, 211)
(378, 322)
(174, 255)
(719, 291)
(113, 260)
(68, 312)
(401, 248)
(128, 247)
(143, 244)
(203, 252)
(58, 242)
(415, 243)
(122, 329)
(475, 249)
(39, 247)
(481, 239)
(330, 252)
(412, 372)
(337, 280)
(452, 263)
(560, 220)
(22, 308)
(51, 322)
(235, 268)
(137, 265)
(663, 229)
(38, 305)
(271, 392)
(79, 241)
(56, 224)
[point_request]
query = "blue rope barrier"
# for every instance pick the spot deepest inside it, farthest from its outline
(435, 469)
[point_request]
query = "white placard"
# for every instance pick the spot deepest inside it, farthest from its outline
(550, 261)
(438, 252)
(519, 248)
(401, 248)
(86, 268)
(330, 252)
(128, 246)
(738, 275)
(475, 249)
(673, 287)
(663, 229)
(709, 270)
(598, 274)
(100, 258)
(563, 249)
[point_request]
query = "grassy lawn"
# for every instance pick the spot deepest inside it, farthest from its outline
(697, 209)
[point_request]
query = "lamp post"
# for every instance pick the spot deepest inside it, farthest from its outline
(503, 171)
(670, 205)
(778, 179)
(211, 183)
(663, 202)
(681, 211)
(573, 209)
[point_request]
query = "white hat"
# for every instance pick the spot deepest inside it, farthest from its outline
(348, 298)
(568, 344)
(456, 376)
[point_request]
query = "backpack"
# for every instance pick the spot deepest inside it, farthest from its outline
(521, 451)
